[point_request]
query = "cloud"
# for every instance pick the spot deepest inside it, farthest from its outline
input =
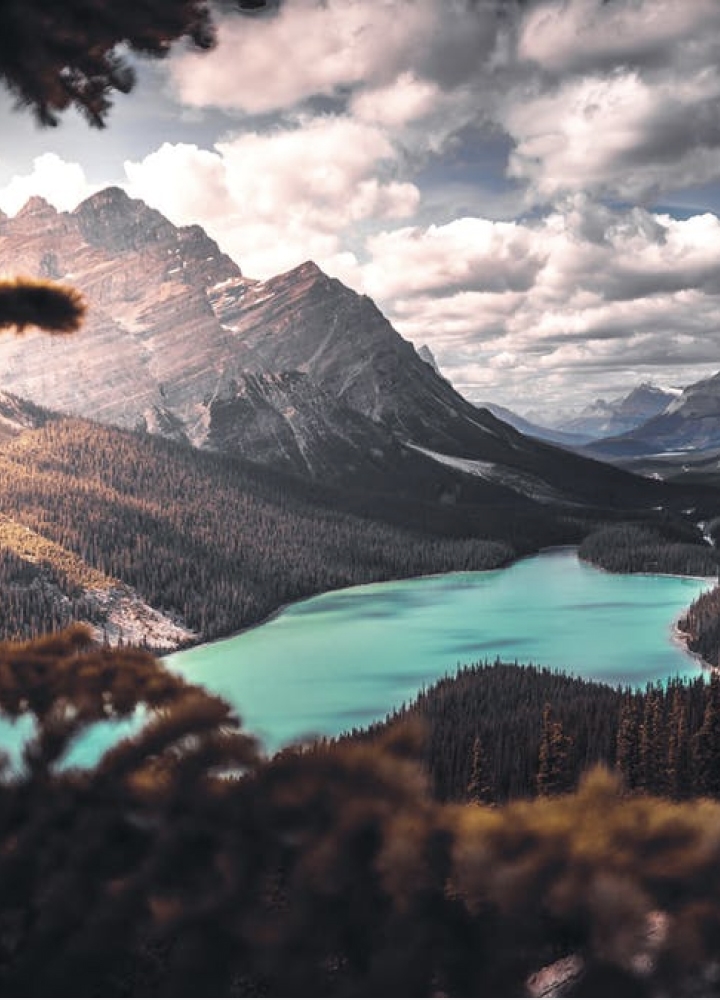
(619, 99)
(619, 135)
(312, 48)
(273, 200)
(61, 183)
(583, 294)
(307, 49)
(405, 99)
(584, 36)
(467, 254)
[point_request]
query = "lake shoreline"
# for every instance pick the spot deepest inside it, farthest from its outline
(548, 549)
(352, 586)
(682, 639)
(344, 663)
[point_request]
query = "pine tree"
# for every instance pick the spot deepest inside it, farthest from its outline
(478, 789)
(54, 55)
(554, 773)
(706, 744)
(627, 752)
(653, 745)
(678, 768)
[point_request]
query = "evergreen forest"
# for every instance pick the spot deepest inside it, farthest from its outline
(184, 863)
(501, 731)
(510, 821)
(220, 543)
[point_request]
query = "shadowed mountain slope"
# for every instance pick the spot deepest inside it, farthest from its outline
(298, 372)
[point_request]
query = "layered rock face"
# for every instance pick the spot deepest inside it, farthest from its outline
(298, 371)
(150, 342)
(177, 341)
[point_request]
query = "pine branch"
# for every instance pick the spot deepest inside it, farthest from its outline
(36, 302)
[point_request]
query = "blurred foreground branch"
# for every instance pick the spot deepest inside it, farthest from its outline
(184, 862)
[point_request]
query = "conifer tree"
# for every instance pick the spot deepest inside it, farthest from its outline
(554, 773)
(56, 55)
(678, 768)
(478, 789)
(653, 744)
(627, 752)
(706, 744)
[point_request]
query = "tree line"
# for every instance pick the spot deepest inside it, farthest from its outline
(502, 731)
(216, 541)
(664, 544)
(184, 863)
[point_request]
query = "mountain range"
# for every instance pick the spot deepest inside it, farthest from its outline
(689, 423)
(210, 446)
(298, 372)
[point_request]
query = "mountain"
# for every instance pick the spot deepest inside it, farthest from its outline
(427, 355)
(690, 423)
(605, 418)
(532, 429)
(298, 372)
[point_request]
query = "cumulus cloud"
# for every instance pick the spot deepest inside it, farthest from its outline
(273, 200)
(463, 256)
(61, 183)
(620, 99)
(405, 99)
(616, 98)
(619, 135)
(327, 47)
(307, 49)
(586, 292)
(583, 36)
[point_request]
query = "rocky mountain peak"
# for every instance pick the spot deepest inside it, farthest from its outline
(309, 269)
(110, 219)
(298, 370)
(426, 354)
(36, 206)
(302, 276)
(646, 399)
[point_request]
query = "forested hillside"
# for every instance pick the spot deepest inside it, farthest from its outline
(216, 541)
(665, 544)
(497, 732)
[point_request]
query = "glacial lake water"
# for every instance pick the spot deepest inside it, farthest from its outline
(348, 657)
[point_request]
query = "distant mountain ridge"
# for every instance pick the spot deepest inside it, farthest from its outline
(605, 418)
(298, 372)
(690, 422)
(532, 429)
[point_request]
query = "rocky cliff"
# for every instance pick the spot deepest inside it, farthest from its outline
(689, 423)
(298, 371)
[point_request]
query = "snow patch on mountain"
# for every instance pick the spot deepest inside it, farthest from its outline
(502, 475)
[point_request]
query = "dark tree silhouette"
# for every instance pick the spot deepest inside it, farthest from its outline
(54, 307)
(54, 55)
(554, 773)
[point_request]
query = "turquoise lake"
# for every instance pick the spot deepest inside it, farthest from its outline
(348, 657)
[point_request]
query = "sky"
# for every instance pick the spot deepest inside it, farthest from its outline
(532, 190)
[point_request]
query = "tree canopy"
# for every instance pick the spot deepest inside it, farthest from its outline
(78, 53)
(25, 301)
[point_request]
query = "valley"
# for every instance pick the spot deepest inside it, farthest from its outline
(359, 498)
(221, 446)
